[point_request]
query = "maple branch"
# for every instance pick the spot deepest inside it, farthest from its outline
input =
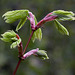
(28, 41)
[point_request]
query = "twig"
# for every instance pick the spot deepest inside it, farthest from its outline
(28, 41)
(17, 66)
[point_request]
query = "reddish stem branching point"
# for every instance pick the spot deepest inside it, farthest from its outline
(34, 28)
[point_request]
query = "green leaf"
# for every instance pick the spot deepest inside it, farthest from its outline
(21, 23)
(9, 34)
(61, 28)
(14, 44)
(65, 18)
(34, 37)
(35, 20)
(14, 39)
(12, 16)
(42, 54)
(38, 33)
(6, 39)
(64, 15)
(62, 12)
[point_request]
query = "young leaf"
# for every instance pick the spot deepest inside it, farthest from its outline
(42, 54)
(14, 44)
(33, 37)
(6, 39)
(21, 23)
(9, 34)
(12, 16)
(61, 28)
(62, 12)
(39, 34)
(10, 40)
(64, 15)
(65, 18)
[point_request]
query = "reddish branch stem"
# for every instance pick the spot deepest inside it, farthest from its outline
(17, 66)
(20, 47)
(22, 52)
(28, 41)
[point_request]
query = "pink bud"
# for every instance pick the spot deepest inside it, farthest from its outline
(30, 53)
(32, 21)
(50, 18)
(44, 20)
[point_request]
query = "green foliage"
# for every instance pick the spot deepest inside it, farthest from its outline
(12, 16)
(62, 59)
(21, 23)
(42, 54)
(10, 36)
(16, 43)
(61, 28)
(62, 12)
(7, 36)
(64, 15)
(38, 33)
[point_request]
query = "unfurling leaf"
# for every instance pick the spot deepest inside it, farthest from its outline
(7, 36)
(38, 33)
(10, 36)
(64, 15)
(6, 39)
(42, 54)
(61, 28)
(21, 23)
(62, 12)
(12, 16)
(16, 43)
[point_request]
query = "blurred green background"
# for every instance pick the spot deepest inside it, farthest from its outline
(60, 48)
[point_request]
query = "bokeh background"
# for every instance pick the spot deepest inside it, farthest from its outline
(60, 48)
